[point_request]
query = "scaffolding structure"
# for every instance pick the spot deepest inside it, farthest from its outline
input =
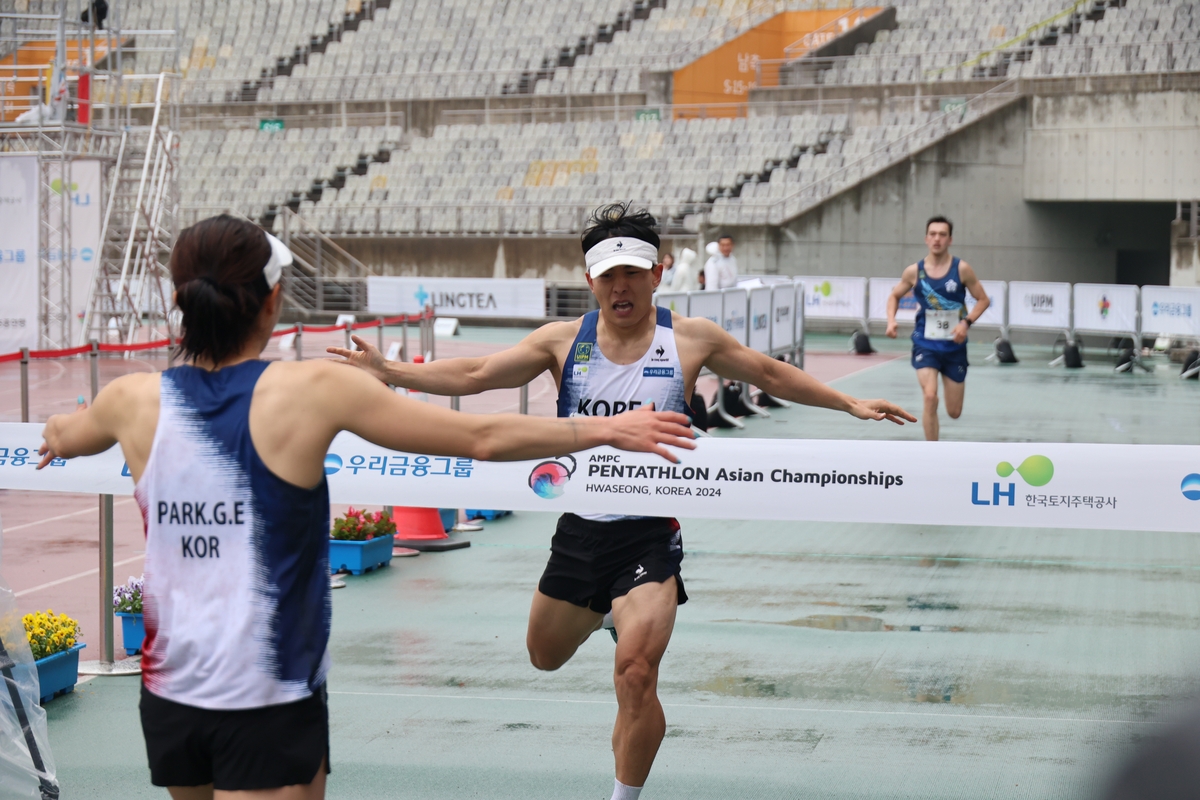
(89, 104)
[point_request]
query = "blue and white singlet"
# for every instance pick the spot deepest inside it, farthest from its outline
(594, 386)
(941, 304)
(236, 599)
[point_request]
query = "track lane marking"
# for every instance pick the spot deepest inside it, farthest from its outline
(76, 576)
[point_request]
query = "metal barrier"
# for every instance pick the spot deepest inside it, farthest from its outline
(1111, 309)
(1040, 306)
(838, 298)
(769, 319)
(1171, 311)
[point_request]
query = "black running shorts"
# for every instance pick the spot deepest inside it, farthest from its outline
(593, 562)
(244, 750)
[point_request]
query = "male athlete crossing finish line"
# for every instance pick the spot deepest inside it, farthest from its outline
(626, 354)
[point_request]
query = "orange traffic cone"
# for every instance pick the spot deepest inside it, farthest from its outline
(421, 529)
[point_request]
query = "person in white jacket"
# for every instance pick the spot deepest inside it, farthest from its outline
(721, 270)
(685, 278)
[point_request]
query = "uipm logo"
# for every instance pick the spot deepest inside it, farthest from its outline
(1035, 470)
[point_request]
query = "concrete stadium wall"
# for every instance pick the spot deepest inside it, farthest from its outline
(1127, 146)
(976, 178)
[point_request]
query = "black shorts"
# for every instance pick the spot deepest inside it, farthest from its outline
(244, 750)
(593, 562)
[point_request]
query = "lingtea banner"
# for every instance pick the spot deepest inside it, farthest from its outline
(1091, 486)
(457, 297)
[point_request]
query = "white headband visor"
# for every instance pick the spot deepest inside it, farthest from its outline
(280, 257)
(620, 251)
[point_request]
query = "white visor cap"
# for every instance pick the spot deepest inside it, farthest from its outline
(620, 251)
(280, 257)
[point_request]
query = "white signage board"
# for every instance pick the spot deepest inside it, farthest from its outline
(879, 290)
(783, 309)
(1108, 308)
(708, 305)
(1118, 487)
(19, 215)
(993, 317)
(675, 301)
(85, 217)
(760, 319)
(1171, 310)
(459, 297)
(1037, 304)
(835, 298)
(733, 314)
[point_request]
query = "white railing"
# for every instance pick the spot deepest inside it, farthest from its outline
(392, 86)
(439, 218)
(1031, 61)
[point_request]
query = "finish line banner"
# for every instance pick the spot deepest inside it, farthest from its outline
(1096, 486)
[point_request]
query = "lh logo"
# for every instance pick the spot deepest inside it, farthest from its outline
(1035, 470)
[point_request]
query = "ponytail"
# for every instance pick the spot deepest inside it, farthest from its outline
(217, 267)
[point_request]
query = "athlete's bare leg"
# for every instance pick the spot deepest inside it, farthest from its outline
(644, 619)
(556, 629)
(927, 377)
(954, 396)
(307, 791)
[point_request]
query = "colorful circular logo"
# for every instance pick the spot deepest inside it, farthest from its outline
(549, 478)
(1191, 487)
(332, 463)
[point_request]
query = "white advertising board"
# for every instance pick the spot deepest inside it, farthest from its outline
(457, 297)
(1171, 310)
(835, 298)
(1109, 308)
(879, 290)
(997, 292)
(1121, 487)
(1037, 304)
(733, 314)
(676, 301)
(85, 217)
(708, 305)
(759, 323)
(783, 309)
(19, 213)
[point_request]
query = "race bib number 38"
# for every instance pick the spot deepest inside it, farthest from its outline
(940, 324)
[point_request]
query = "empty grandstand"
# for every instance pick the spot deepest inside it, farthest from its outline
(399, 120)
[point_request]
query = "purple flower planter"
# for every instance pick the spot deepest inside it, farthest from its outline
(133, 631)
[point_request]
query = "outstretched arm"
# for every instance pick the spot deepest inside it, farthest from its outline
(457, 377)
(361, 405)
(92, 430)
(731, 359)
(908, 279)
